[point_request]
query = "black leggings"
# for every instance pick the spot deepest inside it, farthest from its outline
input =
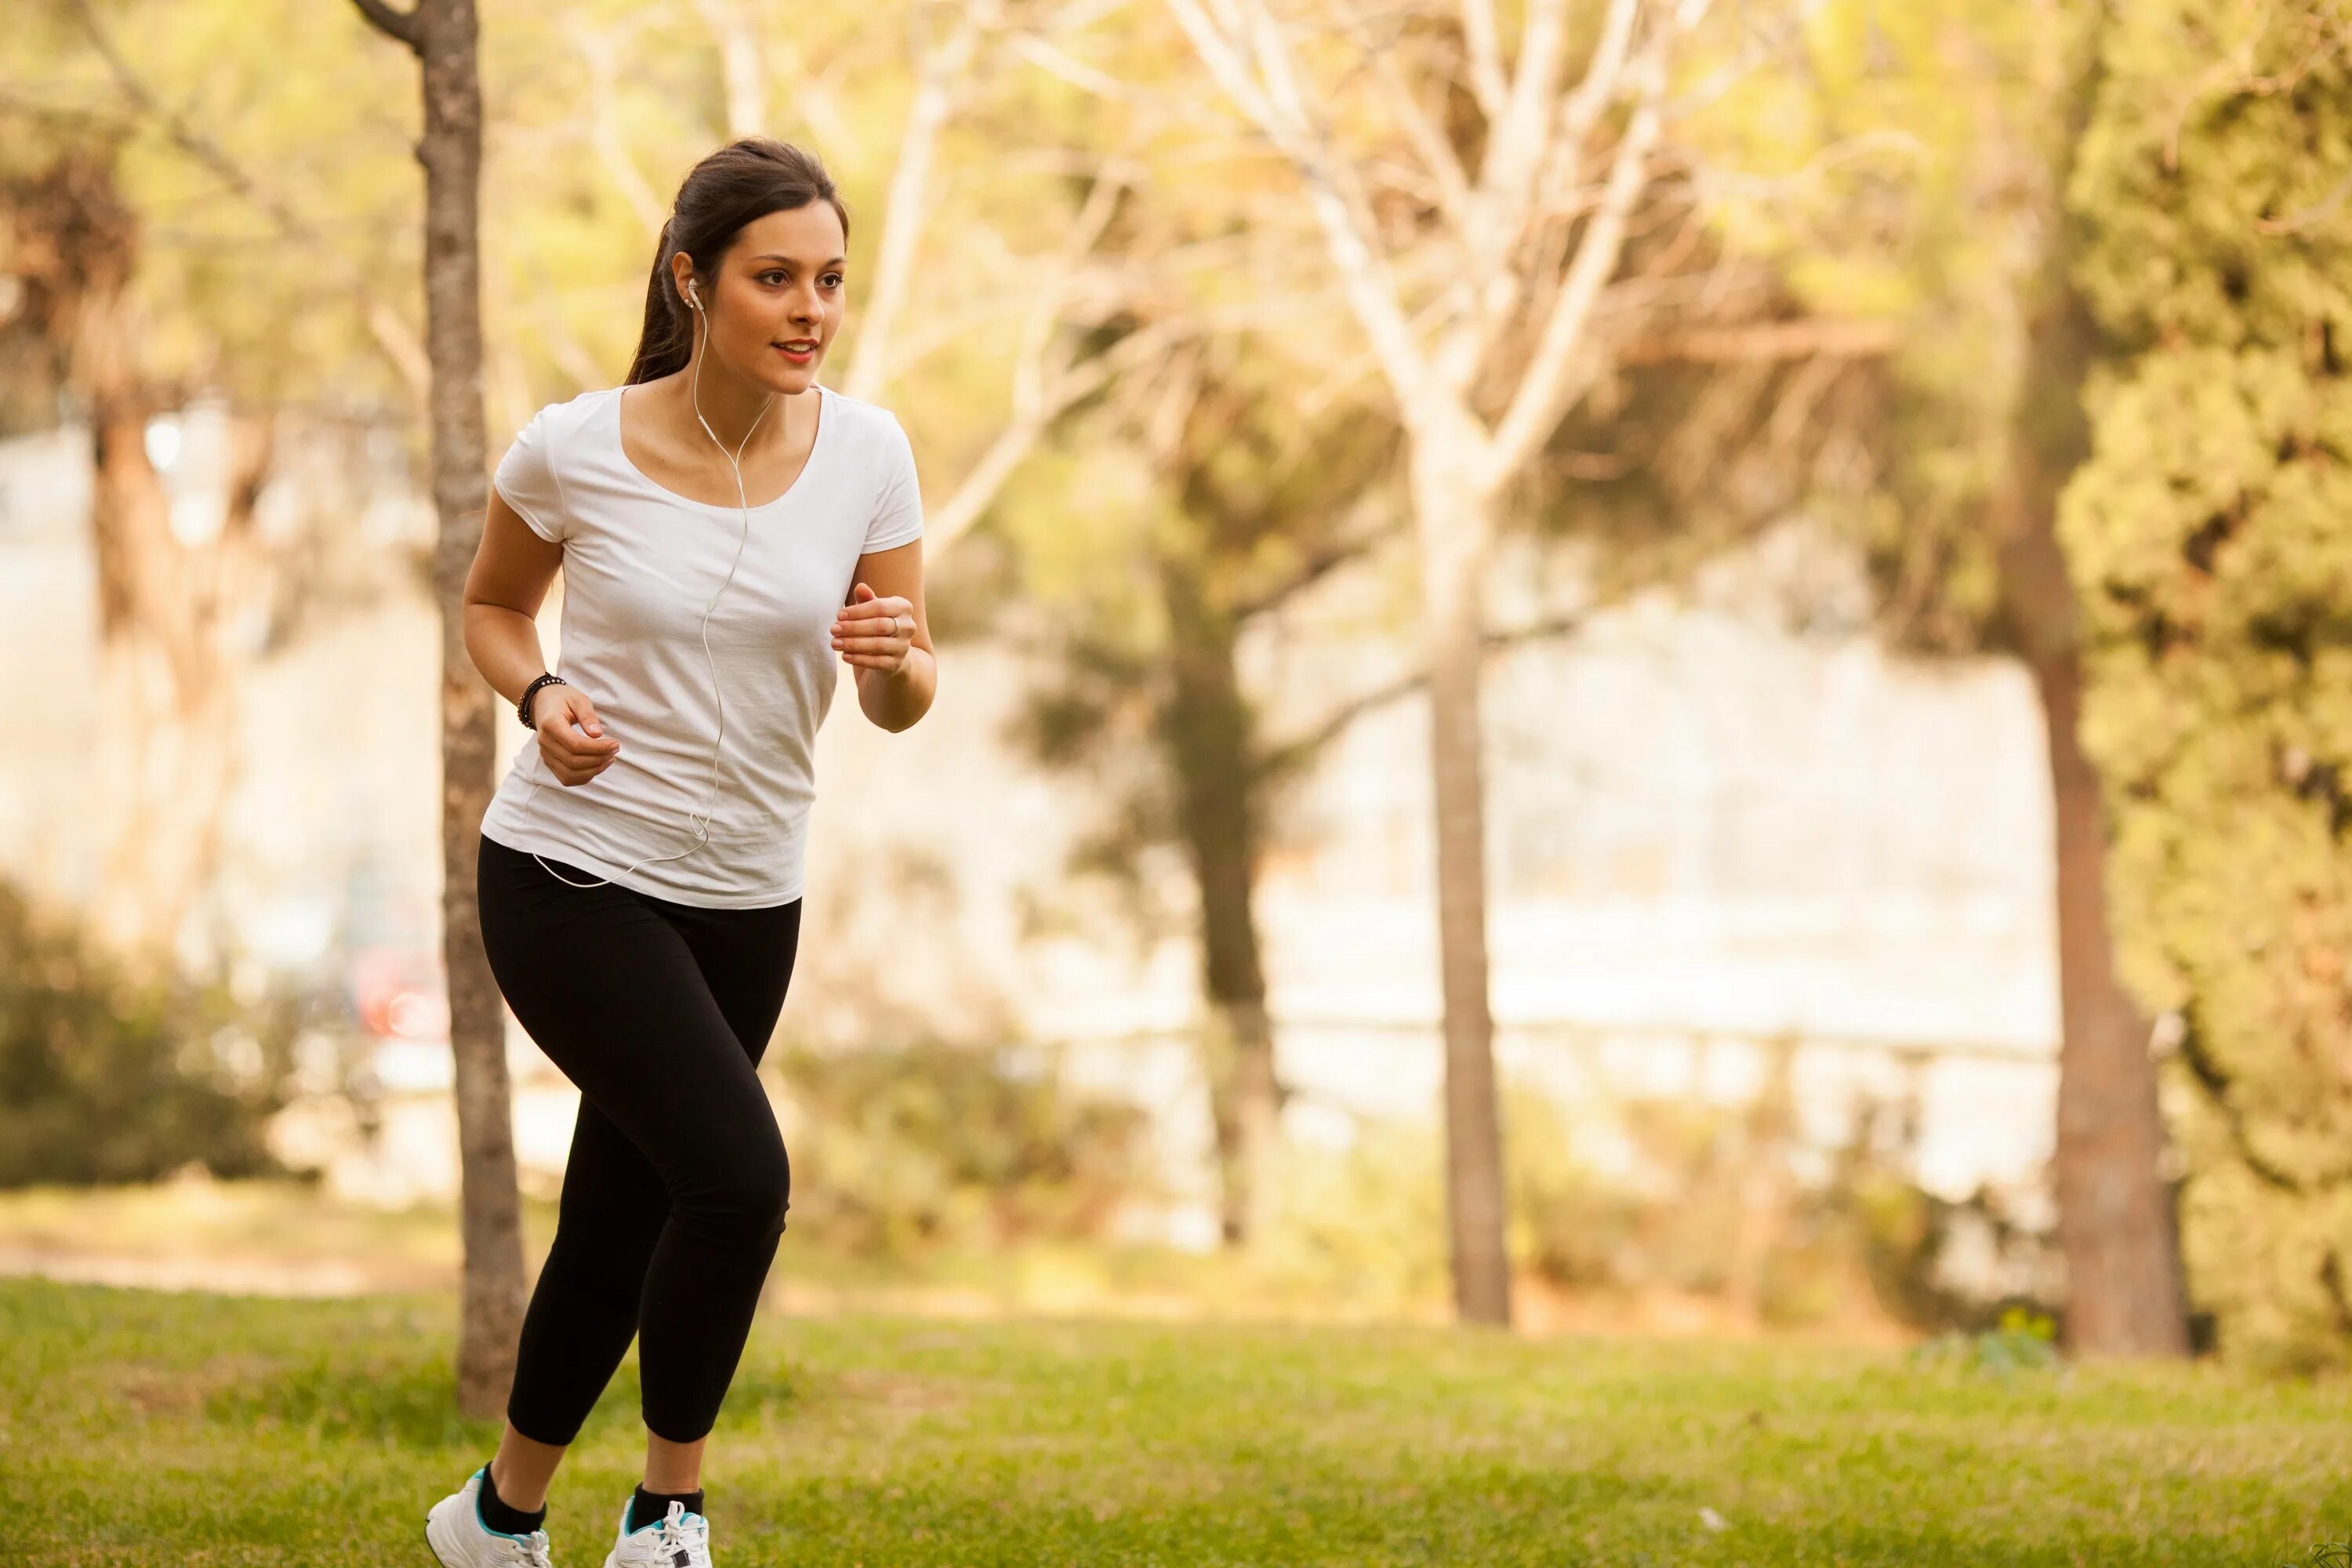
(675, 1193)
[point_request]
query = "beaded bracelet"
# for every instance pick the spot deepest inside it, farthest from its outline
(522, 706)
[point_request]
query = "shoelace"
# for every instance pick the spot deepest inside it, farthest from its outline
(685, 1538)
(529, 1551)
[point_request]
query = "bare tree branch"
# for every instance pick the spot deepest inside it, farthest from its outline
(1054, 60)
(1485, 62)
(1269, 96)
(1048, 383)
(1516, 139)
(1045, 309)
(815, 96)
(939, 81)
(1318, 565)
(1057, 393)
(598, 48)
(1436, 152)
(1828, 337)
(394, 335)
(734, 29)
(1580, 110)
(1296, 753)
(80, 116)
(400, 24)
(183, 135)
(1546, 388)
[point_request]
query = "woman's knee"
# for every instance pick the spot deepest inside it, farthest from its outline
(745, 1195)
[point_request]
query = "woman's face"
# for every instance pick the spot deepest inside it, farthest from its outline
(777, 299)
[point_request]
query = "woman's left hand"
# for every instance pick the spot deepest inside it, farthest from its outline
(873, 633)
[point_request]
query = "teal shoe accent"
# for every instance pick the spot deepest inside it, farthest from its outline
(483, 1475)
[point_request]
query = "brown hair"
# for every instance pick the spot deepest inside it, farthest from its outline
(740, 183)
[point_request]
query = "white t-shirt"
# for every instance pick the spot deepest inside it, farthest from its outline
(640, 563)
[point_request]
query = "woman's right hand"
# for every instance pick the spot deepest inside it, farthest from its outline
(571, 742)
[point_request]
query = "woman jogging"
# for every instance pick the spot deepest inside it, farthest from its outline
(728, 528)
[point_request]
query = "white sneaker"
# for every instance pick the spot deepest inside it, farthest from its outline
(676, 1540)
(455, 1531)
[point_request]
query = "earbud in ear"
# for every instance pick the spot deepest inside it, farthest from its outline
(693, 295)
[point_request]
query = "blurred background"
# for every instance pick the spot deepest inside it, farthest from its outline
(1869, 477)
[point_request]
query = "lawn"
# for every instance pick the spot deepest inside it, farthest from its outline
(187, 1430)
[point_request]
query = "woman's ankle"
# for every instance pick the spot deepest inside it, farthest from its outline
(503, 1513)
(522, 1469)
(647, 1506)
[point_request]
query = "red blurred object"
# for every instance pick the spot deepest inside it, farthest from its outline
(398, 994)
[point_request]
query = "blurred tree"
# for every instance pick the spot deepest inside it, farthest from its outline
(1271, 472)
(174, 583)
(2117, 1227)
(441, 34)
(1924, 184)
(1265, 486)
(2207, 535)
(153, 283)
(1473, 217)
(1252, 504)
(1001, 76)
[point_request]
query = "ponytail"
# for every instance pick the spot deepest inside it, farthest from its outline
(738, 185)
(664, 344)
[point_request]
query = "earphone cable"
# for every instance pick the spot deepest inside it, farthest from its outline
(701, 827)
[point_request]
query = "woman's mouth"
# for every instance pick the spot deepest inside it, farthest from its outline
(799, 351)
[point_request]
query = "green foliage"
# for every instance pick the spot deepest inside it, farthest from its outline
(1142, 574)
(266, 152)
(1899, 170)
(2327, 1554)
(933, 1144)
(2023, 1341)
(1364, 1225)
(2206, 536)
(1701, 1203)
(104, 1078)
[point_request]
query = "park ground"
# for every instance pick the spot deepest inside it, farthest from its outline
(201, 1430)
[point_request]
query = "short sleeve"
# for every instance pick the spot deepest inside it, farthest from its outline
(899, 507)
(525, 477)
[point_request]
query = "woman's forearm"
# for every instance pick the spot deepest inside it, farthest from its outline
(896, 698)
(504, 645)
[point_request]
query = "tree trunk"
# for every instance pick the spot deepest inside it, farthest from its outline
(1206, 728)
(2115, 1224)
(1452, 518)
(1765, 1183)
(2117, 1227)
(166, 758)
(442, 35)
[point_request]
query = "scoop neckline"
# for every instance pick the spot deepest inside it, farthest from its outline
(825, 422)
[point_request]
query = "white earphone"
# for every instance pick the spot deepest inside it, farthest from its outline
(701, 819)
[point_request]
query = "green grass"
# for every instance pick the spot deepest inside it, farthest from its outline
(150, 1428)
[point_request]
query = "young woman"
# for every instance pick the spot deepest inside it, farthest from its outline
(728, 528)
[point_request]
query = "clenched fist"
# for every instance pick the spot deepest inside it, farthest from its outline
(571, 741)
